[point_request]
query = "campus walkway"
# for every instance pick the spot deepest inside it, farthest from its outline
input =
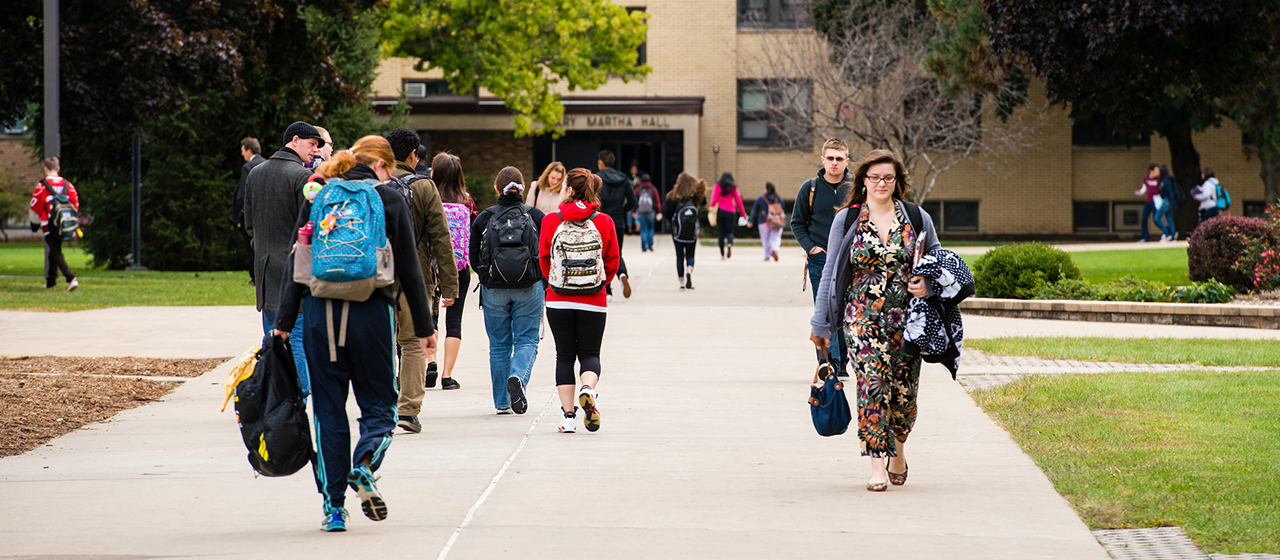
(706, 449)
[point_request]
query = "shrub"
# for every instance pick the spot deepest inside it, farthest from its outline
(1069, 288)
(1021, 271)
(1212, 291)
(1132, 288)
(1217, 246)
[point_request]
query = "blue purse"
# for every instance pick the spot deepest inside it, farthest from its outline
(827, 403)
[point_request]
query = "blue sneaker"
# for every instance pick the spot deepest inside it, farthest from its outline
(335, 521)
(362, 481)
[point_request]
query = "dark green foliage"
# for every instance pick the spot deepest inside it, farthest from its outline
(192, 80)
(1130, 288)
(1021, 271)
(1217, 246)
(1212, 291)
(1069, 288)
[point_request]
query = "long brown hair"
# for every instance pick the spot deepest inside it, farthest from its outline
(585, 184)
(688, 186)
(542, 179)
(858, 194)
(366, 150)
(446, 172)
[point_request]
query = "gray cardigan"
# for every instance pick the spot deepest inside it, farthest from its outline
(827, 313)
(272, 199)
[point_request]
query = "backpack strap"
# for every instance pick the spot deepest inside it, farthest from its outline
(913, 214)
(809, 183)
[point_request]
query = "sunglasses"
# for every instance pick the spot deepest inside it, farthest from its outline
(836, 159)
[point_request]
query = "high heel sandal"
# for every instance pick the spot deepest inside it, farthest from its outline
(898, 479)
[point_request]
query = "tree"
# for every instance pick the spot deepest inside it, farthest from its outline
(191, 79)
(863, 77)
(1146, 65)
(519, 49)
(1255, 106)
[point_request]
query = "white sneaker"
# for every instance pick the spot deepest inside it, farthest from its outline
(75, 283)
(569, 424)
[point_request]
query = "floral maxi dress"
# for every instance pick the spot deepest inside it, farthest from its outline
(874, 319)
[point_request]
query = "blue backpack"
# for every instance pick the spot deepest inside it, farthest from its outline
(350, 227)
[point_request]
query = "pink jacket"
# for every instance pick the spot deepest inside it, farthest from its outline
(726, 203)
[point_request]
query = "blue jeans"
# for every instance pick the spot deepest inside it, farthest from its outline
(296, 341)
(1148, 209)
(646, 231)
(1164, 220)
(835, 345)
(512, 319)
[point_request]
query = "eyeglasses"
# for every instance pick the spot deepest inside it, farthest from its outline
(887, 179)
(836, 159)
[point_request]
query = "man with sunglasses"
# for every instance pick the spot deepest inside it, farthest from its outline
(815, 208)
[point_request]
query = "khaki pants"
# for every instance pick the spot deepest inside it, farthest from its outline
(413, 364)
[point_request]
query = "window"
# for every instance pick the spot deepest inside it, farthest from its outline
(1126, 216)
(952, 215)
(1091, 216)
(422, 89)
(641, 51)
(1096, 132)
(772, 13)
(1255, 209)
(774, 113)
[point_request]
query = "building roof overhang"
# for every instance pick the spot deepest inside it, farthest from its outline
(573, 105)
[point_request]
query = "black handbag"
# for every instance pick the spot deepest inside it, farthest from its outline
(827, 403)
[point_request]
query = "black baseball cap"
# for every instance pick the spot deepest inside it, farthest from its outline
(302, 130)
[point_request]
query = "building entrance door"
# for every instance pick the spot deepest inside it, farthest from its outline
(658, 153)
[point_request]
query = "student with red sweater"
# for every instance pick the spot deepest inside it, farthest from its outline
(42, 203)
(576, 303)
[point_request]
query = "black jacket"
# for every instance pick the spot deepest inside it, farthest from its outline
(811, 224)
(482, 221)
(408, 272)
(272, 200)
(237, 199)
(617, 197)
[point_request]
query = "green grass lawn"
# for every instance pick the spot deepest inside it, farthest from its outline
(1192, 449)
(22, 284)
(1203, 351)
(1160, 265)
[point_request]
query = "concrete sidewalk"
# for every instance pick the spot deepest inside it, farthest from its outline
(706, 449)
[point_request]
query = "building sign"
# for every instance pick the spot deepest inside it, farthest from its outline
(615, 122)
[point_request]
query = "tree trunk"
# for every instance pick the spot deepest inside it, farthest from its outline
(1185, 165)
(1270, 181)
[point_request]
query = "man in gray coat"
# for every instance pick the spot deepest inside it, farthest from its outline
(272, 199)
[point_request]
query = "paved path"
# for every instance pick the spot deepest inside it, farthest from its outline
(706, 450)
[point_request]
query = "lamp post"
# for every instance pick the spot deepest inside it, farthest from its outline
(52, 134)
(136, 263)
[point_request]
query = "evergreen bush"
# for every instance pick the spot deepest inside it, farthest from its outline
(1021, 271)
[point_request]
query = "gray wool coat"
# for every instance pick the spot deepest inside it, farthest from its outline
(272, 199)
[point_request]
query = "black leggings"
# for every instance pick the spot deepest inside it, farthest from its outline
(725, 222)
(453, 313)
(684, 254)
(578, 336)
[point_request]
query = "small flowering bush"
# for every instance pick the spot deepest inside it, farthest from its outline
(1266, 273)
(1223, 249)
(1260, 261)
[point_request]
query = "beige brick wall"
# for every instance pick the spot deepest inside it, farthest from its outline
(486, 152)
(16, 160)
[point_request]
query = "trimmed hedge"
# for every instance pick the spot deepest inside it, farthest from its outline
(1021, 271)
(1216, 246)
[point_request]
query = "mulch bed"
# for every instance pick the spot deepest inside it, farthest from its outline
(72, 392)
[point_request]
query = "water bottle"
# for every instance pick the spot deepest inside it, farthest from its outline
(304, 233)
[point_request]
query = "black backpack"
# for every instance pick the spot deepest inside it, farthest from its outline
(509, 249)
(685, 225)
(64, 219)
(913, 214)
(272, 414)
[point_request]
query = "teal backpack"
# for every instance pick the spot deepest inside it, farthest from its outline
(1224, 198)
(349, 255)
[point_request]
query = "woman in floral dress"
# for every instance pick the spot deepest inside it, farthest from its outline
(863, 296)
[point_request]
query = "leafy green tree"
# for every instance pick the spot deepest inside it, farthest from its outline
(191, 80)
(519, 50)
(1255, 106)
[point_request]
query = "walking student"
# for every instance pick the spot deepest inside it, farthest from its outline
(726, 202)
(350, 345)
(544, 194)
(616, 198)
(434, 248)
(251, 151)
(1207, 194)
(1170, 195)
(504, 253)
(866, 285)
(459, 212)
(1149, 190)
(273, 198)
(576, 303)
(811, 221)
(648, 210)
(681, 208)
(768, 213)
(52, 195)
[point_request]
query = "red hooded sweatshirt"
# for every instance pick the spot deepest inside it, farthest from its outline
(575, 211)
(42, 199)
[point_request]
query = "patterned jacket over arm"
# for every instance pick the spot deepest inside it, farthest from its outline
(934, 328)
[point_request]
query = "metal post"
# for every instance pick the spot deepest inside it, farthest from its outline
(52, 134)
(137, 204)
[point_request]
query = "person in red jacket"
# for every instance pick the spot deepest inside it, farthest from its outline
(577, 320)
(41, 206)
